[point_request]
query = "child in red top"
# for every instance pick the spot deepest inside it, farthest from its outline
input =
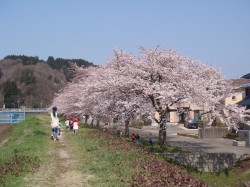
(133, 137)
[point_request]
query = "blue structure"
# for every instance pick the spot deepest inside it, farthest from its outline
(11, 117)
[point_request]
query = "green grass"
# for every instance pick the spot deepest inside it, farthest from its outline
(225, 178)
(108, 164)
(25, 149)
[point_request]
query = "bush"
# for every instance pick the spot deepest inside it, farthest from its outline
(232, 136)
(217, 122)
(139, 123)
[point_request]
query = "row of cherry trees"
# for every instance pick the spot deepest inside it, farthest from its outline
(141, 84)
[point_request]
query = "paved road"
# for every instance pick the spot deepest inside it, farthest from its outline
(216, 145)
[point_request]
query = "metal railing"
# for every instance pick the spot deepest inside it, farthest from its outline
(11, 117)
(29, 110)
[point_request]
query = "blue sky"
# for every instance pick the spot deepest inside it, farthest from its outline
(217, 32)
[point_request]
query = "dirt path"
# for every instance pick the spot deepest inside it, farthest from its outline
(62, 170)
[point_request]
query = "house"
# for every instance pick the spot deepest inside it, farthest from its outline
(182, 112)
(247, 76)
(246, 100)
(239, 91)
(246, 87)
(178, 113)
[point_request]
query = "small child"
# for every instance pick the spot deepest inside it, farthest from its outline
(106, 127)
(60, 126)
(76, 125)
(118, 134)
(133, 137)
(71, 121)
(137, 137)
(67, 124)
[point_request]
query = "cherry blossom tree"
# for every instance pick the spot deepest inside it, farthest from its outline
(141, 84)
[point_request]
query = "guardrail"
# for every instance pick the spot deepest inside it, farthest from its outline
(29, 110)
(11, 117)
(16, 115)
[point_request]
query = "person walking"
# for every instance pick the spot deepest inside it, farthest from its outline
(54, 124)
(118, 134)
(60, 127)
(71, 121)
(133, 137)
(106, 127)
(67, 124)
(137, 138)
(76, 125)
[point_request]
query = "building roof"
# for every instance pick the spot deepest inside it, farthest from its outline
(247, 76)
(245, 102)
(245, 85)
(239, 82)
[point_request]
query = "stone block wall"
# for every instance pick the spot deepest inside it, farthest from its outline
(245, 135)
(213, 132)
(205, 162)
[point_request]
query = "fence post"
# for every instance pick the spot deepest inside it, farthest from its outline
(11, 117)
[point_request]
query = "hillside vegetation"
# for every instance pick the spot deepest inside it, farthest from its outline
(28, 81)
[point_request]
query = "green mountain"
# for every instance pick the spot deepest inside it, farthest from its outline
(31, 82)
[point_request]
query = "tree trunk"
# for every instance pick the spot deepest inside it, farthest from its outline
(163, 127)
(86, 119)
(126, 128)
(163, 118)
(97, 123)
(162, 136)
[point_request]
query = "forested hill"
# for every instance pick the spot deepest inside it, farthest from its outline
(31, 82)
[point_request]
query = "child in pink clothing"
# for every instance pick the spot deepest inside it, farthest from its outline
(76, 125)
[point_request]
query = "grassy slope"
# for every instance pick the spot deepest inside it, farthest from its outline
(28, 146)
(25, 149)
(110, 163)
(223, 179)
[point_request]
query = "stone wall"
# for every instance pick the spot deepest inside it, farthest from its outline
(206, 162)
(213, 132)
(245, 135)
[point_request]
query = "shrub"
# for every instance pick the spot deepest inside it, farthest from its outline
(232, 136)
(217, 122)
(139, 123)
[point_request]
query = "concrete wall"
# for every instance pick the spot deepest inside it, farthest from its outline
(205, 162)
(245, 135)
(213, 132)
